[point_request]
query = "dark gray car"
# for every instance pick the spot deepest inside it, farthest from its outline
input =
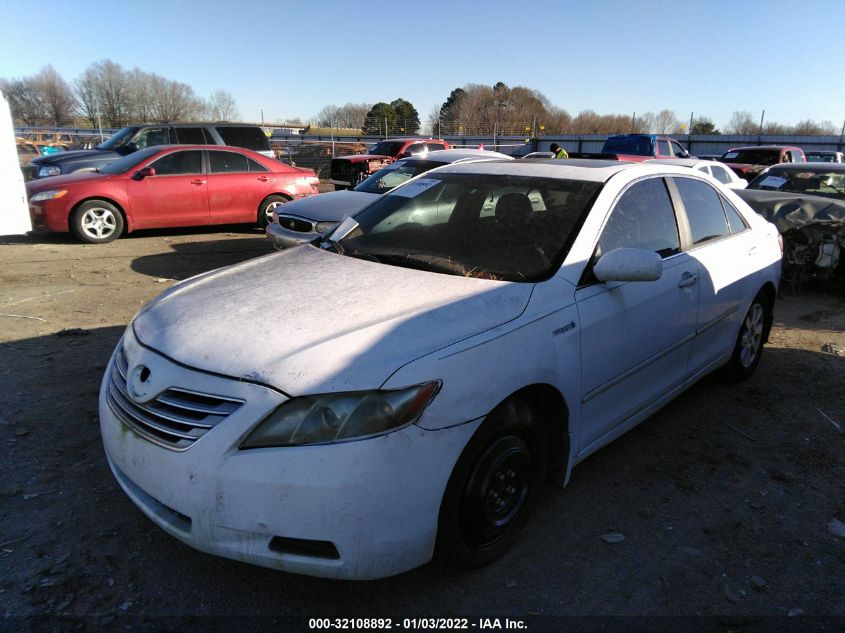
(135, 137)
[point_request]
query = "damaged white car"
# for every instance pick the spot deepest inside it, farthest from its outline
(406, 385)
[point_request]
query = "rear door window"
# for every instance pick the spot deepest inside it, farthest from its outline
(191, 136)
(664, 148)
(247, 137)
(434, 146)
(721, 174)
(705, 214)
(227, 163)
(642, 218)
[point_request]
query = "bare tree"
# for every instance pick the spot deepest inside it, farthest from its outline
(25, 100)
(141, 95)
(665, 122)
(112, 90)
(172, 100)
(221, 106)
(87, 99)
(742, 123)
(351, 115)
(56, 96)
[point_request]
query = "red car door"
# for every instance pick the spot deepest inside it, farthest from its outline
(176, 195)
(236, 186)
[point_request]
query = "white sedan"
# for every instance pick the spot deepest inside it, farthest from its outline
(719, 171)
(473, 333)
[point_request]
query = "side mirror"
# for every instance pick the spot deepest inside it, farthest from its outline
(143, 173)
(629, 264)
(282, 238)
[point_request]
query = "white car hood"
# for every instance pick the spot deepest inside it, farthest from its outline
(308, 321)
(331, 206)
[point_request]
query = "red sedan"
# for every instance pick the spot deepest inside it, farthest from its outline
(167, 185)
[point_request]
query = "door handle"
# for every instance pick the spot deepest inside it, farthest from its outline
(198, 182)
(263, 178)
(687, 279)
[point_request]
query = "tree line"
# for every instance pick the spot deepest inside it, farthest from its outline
(109, 95)
(477, 109)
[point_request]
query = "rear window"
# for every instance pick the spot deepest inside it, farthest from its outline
(246, 137)
(753, 156)
(637, 145)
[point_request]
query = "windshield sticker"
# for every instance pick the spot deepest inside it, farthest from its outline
(731, 155)
(773, 181)
(415, 188)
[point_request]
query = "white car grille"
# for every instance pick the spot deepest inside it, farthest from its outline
(174, 419)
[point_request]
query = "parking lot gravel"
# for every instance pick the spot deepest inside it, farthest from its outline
(730, 502)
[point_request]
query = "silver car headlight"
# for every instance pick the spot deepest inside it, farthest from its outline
(49, 170)
(50, 194)
(325, 227)
(338, 417)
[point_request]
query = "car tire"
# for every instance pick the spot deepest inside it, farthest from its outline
(493, 487)
(97, 222)
(749, 342)
(267, 206)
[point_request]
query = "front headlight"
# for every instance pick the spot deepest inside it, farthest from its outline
(341, 416)
(324, 227)
(50, 194)
(49, 170)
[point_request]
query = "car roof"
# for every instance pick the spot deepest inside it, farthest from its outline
(571, 169)
(826, 167)
(447, 156)
(777, 147)
(684, 162)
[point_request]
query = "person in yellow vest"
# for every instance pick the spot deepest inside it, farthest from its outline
(558, 151)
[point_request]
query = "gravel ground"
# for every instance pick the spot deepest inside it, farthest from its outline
(727, 499)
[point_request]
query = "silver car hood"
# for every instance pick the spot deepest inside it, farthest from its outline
(308, 321)
(327, 207)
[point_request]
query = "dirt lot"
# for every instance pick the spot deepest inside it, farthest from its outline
(724, 498)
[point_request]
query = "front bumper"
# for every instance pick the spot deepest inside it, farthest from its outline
(376, 501)
(49, 215)
(282, 238)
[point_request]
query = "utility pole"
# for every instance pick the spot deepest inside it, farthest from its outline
(262, 117)
(633, 122)
(385, 127)
(760, 131)
(841, 135)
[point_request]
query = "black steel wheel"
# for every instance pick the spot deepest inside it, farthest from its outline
(493, 487)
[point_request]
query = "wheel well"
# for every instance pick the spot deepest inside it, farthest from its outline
(126, 227)
(551, 408)
(281, 194)
(769, 293)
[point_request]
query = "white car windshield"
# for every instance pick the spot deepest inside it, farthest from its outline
(494, 227)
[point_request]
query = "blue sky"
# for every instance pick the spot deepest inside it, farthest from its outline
(291, 58)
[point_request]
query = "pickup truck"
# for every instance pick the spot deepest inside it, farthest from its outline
(348, 171)
(747, 162)
(636, 148)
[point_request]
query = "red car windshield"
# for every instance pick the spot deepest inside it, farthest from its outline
(129, 162)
